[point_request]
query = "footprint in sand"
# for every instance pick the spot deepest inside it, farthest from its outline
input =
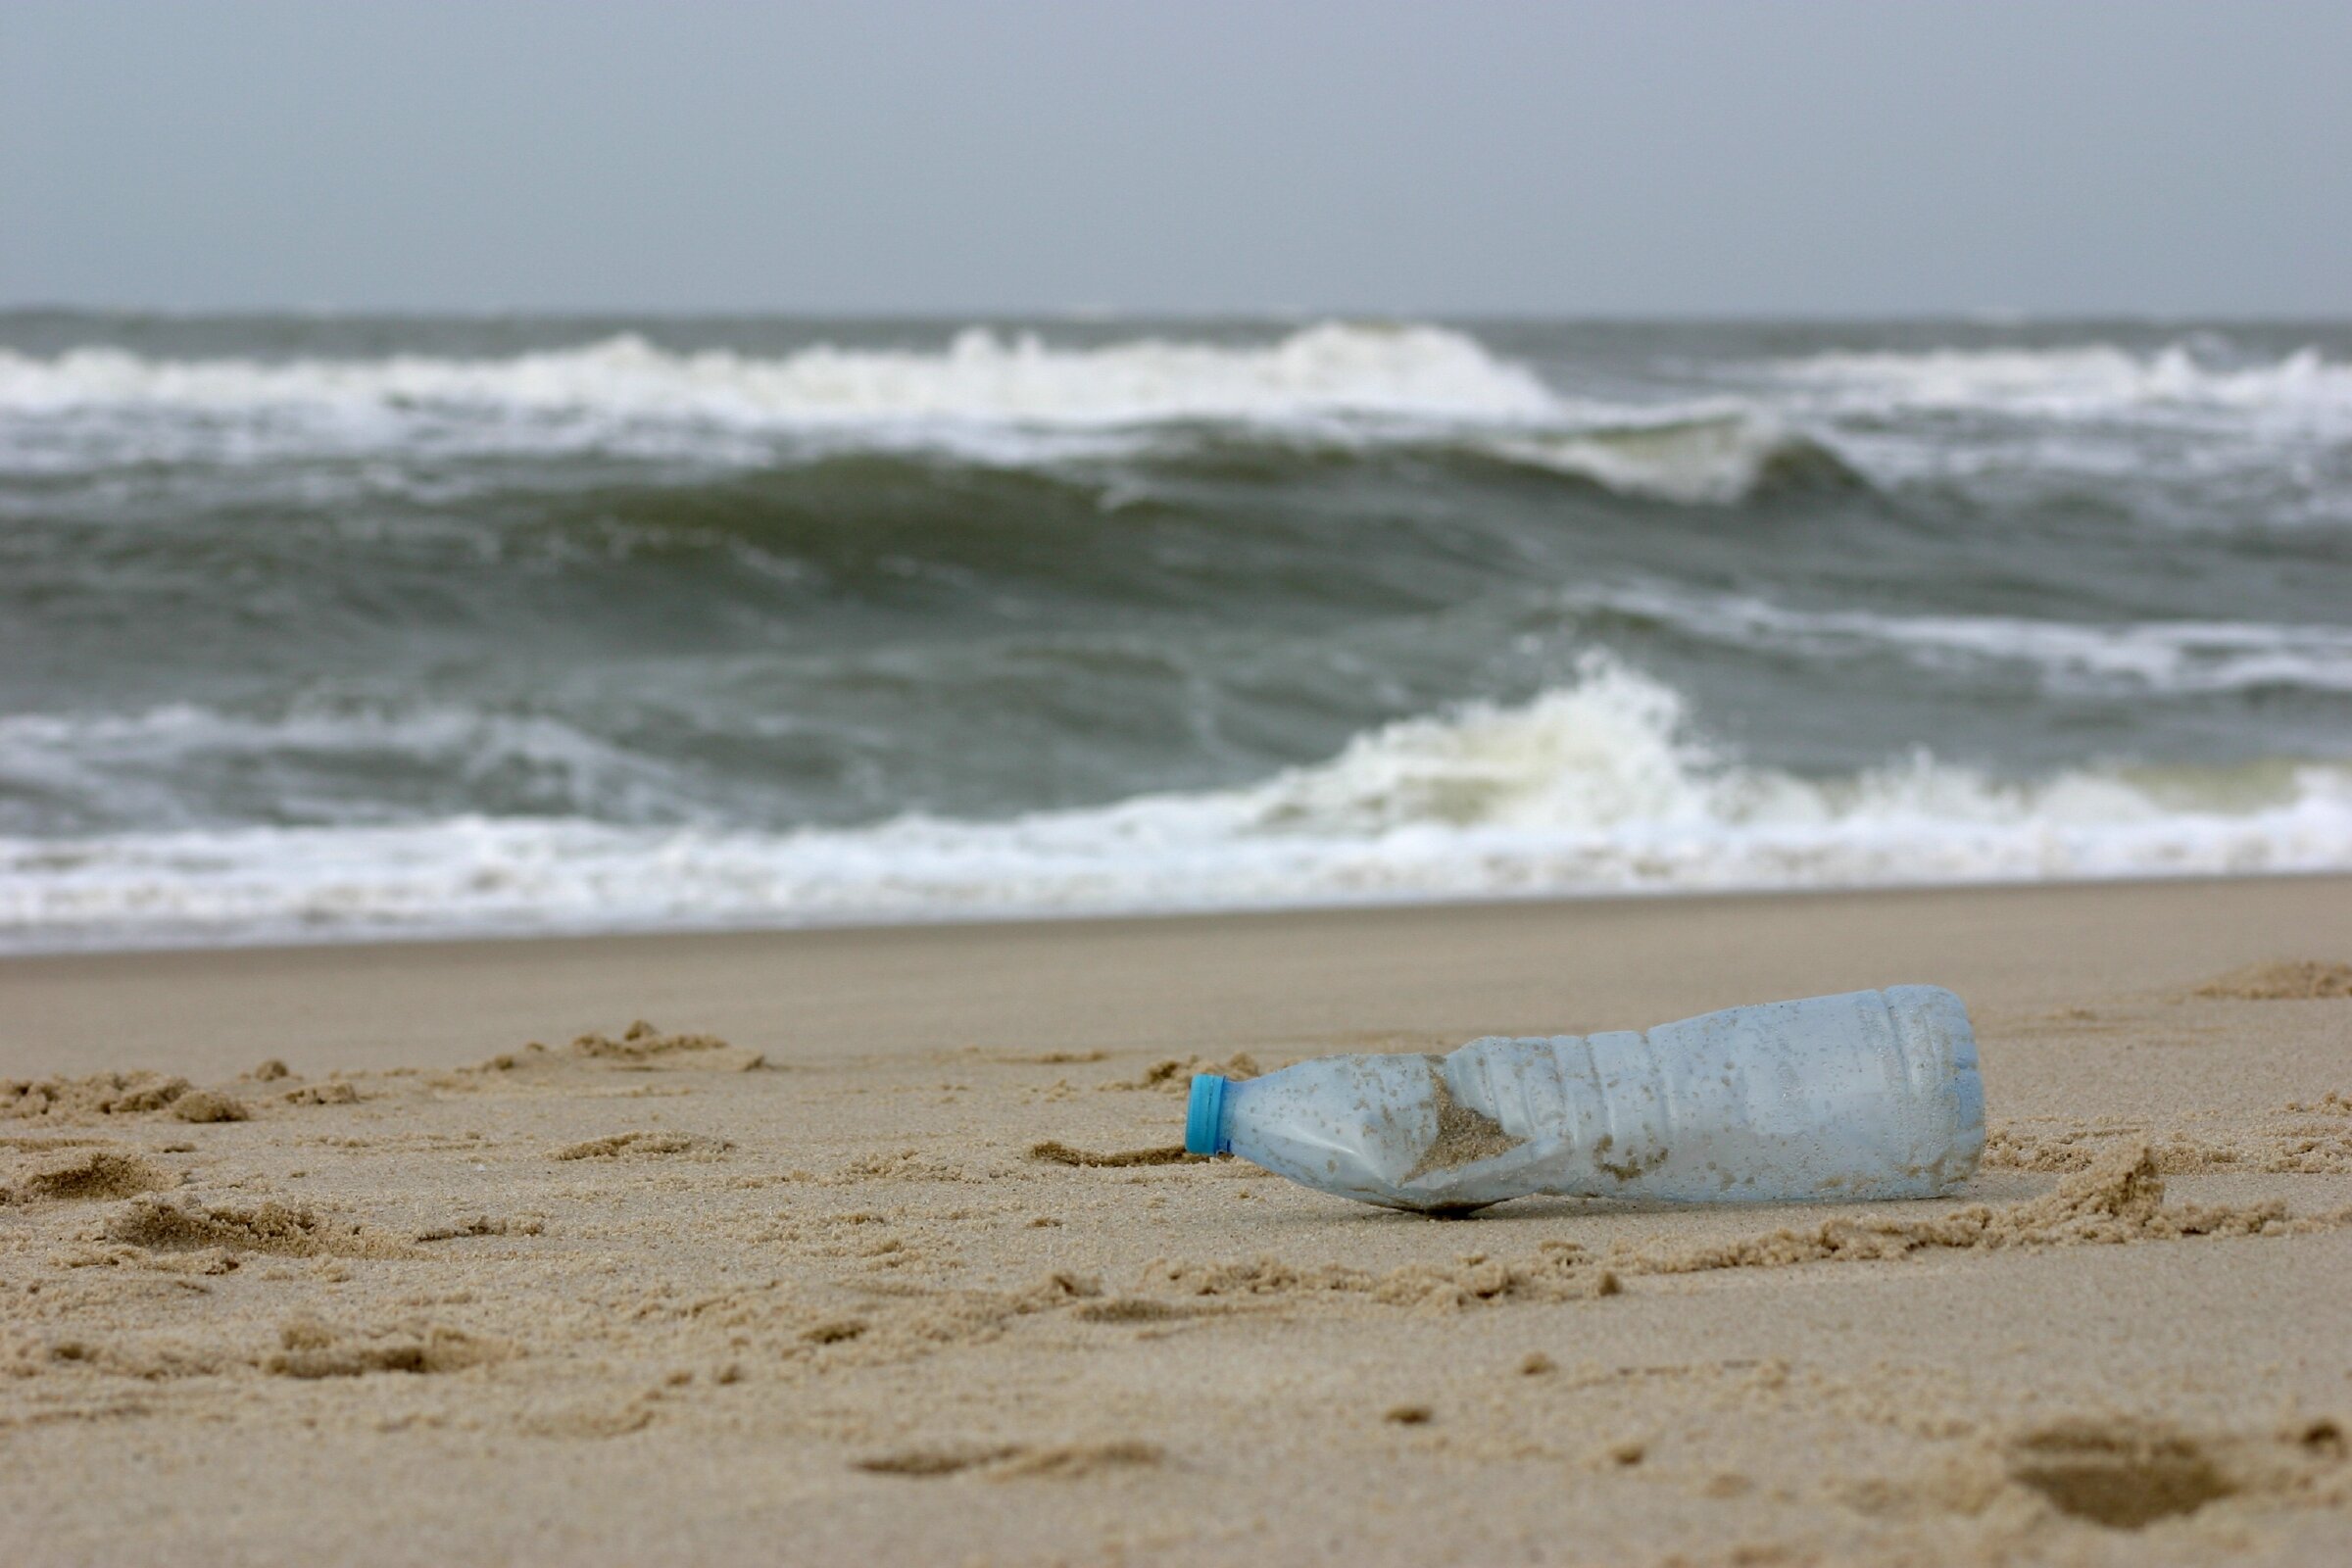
(2119, 1473)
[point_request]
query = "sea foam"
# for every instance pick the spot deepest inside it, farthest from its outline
(1598, 786)
(1334, 368)
(2084, 380)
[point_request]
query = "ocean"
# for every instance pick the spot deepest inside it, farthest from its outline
(329, 627)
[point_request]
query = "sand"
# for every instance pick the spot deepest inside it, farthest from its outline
(880, 1247)
(1464, 1136)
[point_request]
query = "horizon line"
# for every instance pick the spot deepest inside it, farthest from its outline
(1991, 316)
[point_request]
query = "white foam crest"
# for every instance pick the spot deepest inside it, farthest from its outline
(2174, 658)
(1704, 459)
(1335, 369)
(1592, 788)
(2084, 380)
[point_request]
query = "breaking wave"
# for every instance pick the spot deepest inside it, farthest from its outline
(985, 397)
(1332, 369)
(1706, 460)
(2089, 380)
(1598, 786)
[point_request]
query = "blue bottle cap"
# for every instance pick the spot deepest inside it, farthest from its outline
(1204, 1117)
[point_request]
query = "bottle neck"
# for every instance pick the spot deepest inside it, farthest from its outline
(1204, 1117)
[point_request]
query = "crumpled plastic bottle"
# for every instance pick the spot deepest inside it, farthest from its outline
(1869, 1094)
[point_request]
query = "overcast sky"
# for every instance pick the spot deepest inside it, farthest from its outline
(1190, 155)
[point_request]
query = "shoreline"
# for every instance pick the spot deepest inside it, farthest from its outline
(1123, 915)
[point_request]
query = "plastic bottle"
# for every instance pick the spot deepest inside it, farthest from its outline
(1869, 1094)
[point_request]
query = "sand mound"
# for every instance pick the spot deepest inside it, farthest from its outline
(1135, 1309)
(1052, 1151)
(209, 1104)
(1070, 1461)
(643, 1047)
(2290, 980)
(642, 1146)
(336, 1092)
(640, 1048)
(1174, 1074)
(926, 1464)
(157, 1225)
(2304, 1138)
(311, 1348)
(84, 1175)
(2119, 1198)
(1014, 1461)
(481, 1225)
(105, 1094)
(116, 1093)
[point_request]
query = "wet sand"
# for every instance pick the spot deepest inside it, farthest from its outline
(870, 1251)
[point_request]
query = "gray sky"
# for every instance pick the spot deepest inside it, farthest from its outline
(1190, 155)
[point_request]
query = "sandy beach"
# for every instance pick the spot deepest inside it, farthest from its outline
(668, 675)
(869, 1247)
